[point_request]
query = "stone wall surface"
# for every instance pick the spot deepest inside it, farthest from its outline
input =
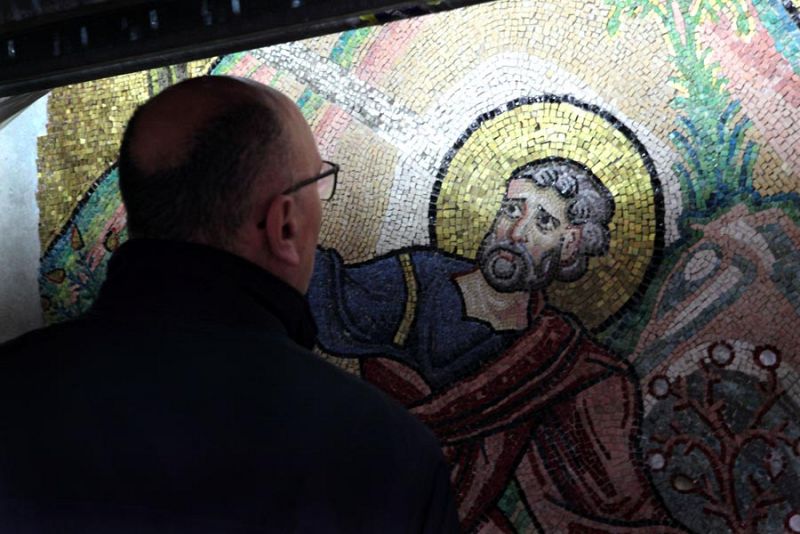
(19, 241)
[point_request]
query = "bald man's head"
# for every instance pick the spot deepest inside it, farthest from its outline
(193, 156)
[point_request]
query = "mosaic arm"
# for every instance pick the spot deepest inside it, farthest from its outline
(357, 308)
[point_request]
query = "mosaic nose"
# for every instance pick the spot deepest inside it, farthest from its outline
(520, 232)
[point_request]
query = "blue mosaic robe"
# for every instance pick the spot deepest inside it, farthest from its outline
(379, 308)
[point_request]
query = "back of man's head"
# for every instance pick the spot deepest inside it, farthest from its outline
(192, 156)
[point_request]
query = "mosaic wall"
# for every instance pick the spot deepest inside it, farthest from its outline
(565, 236)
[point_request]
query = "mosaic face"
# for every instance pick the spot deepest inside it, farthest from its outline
(578, 265)
(552, 216)
(523, 249)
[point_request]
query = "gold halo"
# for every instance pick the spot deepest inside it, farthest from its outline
(473, 181)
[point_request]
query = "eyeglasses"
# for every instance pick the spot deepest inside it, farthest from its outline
(326, 182)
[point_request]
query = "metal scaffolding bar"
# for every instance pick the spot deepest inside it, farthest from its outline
(99, 39)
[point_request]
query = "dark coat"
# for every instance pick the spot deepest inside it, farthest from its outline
(187, 400)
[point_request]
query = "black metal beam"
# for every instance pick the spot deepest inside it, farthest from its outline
(140, 35)
(11, 106)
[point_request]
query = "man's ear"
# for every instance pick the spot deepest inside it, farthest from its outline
(282, 230)
(571, 244)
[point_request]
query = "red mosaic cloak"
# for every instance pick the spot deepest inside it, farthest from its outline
(556, 411)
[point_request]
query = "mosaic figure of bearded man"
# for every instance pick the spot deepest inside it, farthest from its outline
(512, 387)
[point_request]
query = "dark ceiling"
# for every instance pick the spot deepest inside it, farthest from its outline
(21, 10)
(46, 43)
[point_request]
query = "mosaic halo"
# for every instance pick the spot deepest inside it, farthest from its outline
(472, 180)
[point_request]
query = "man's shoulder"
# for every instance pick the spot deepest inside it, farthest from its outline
(233, 406)
(43, 341)
(360, 403)
(248, 382)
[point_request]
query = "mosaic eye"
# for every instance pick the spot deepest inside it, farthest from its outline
(545, 221)
(512, 209)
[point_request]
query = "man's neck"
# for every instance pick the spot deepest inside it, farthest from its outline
(504, 311)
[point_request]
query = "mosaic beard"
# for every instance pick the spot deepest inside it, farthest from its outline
(508, 266)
